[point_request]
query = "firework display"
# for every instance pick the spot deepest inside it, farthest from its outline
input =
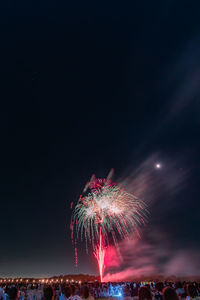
(105, 214)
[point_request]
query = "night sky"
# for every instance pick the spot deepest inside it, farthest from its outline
(87, 86)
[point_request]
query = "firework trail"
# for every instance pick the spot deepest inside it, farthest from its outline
(99, 253)
(104, 214)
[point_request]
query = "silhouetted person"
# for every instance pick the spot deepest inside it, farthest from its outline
(192, 292)
(158, 294)
(170, 294)
(86, 293)
(48, 293)
(74, 296)
(13, 293)
(5, 295)
(179, 289)
(68, 292)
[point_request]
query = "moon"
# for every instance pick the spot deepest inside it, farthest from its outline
(158, 166)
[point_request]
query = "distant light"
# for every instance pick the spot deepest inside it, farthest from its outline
(120, 294)
(158, 166)
(117, 295)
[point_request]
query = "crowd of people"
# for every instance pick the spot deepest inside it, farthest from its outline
(95, 290)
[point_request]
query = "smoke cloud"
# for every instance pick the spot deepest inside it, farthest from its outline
(165, 247)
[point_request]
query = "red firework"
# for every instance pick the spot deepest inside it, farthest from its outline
(105, 212)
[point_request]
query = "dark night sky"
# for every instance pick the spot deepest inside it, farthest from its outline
(86, 86)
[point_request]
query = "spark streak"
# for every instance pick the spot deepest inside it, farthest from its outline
(99, 253)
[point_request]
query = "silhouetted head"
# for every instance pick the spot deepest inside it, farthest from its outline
(48, 292)
(179, 285)
(73, 290)
(68, 291)
(85, 292)
(159, 286)
(170, 294)
(144, 293)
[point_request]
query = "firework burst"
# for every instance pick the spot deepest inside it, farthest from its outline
(106, 213)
